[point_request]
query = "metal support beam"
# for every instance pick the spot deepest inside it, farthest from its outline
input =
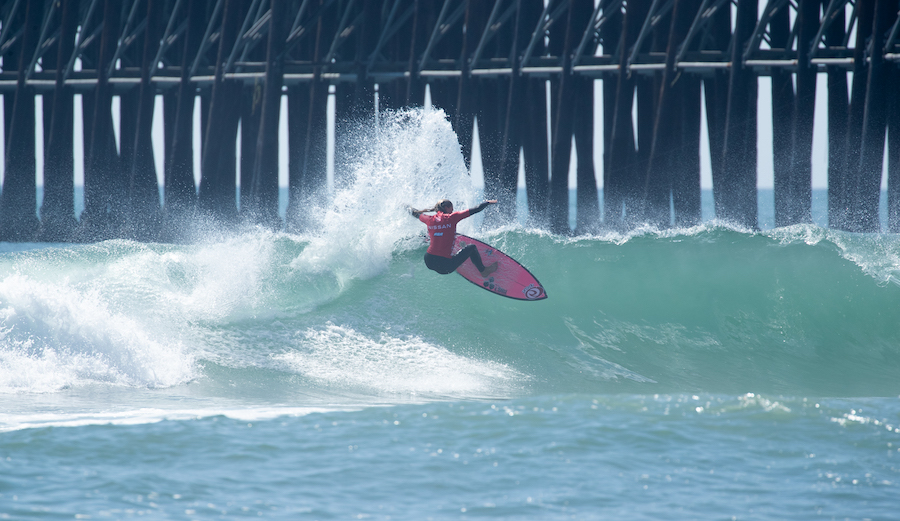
(445, 21)
(603, 13)
(82, 41)
(51, 8)
(216, 20)
(658, 10)
(8, 31)
(705, 16)
(550, 16)
(492, 27)
(834, 11)
(392, 24)
(345, 29)
(127, 36)
(170, 34)
(762, 30)
(251, 34)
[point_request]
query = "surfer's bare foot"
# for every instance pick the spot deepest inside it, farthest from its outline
(489, 269)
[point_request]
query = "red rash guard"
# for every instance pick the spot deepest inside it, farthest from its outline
(442, 231)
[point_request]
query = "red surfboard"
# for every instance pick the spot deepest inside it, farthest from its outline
(511, 278)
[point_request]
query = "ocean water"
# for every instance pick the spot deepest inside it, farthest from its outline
(701, 373)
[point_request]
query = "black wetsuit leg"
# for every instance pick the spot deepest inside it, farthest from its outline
(443, 265)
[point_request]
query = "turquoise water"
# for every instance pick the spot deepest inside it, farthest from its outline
(702, 373)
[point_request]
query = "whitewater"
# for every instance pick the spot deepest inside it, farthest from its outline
(710, 372)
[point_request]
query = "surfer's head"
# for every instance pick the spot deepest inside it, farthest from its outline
(444, 205)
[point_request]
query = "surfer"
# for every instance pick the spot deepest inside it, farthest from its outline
(442, 233)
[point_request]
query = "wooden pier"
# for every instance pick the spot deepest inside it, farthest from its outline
(661, 62)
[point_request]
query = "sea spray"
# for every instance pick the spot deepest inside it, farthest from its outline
(411, 158)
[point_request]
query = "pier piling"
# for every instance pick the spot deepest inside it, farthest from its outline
(524, 70)
(18, 201)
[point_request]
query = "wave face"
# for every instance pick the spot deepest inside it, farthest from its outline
(350, 315)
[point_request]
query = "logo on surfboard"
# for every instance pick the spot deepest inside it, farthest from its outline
(533, 292)
(489, 284)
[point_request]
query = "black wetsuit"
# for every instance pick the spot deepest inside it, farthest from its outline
(443, 265)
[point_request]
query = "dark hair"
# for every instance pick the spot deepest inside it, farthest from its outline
(440, 205)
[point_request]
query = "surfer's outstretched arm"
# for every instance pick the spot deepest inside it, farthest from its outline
(416, 213)
(482, 206)
(448, 208)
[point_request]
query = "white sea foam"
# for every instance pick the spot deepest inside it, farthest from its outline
(413, 157)
(54, 336)
(342, 357)
(878, 255)
(220, 279)
(142, 416)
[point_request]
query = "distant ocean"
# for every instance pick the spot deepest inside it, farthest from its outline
(710, 372)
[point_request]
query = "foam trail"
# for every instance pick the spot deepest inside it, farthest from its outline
(341, 357)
